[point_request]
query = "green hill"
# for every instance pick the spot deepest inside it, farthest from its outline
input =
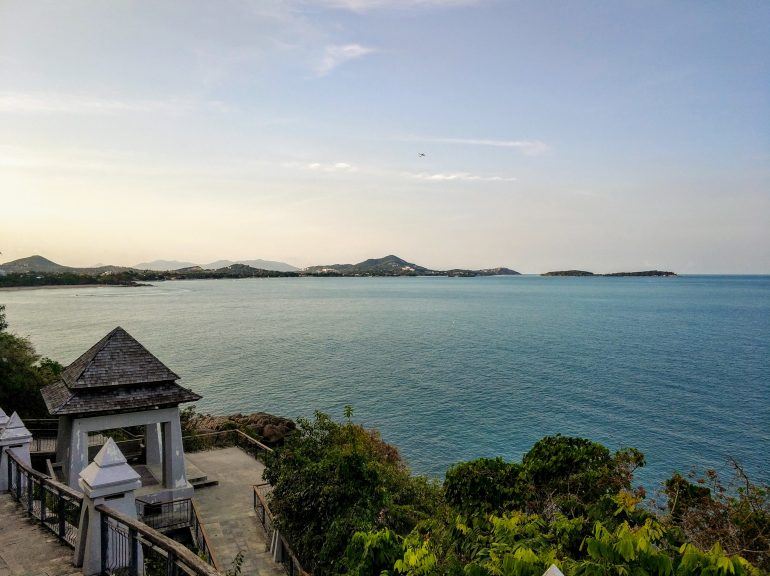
(41, 264)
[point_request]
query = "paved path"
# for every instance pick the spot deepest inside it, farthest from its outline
(227, 510)
(26, 549)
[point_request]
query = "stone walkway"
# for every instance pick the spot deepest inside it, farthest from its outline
(26, 549)
(227, 510)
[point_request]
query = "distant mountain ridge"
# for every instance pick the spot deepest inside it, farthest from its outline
(257, 263)
(162, 265)
(390, 265)
(171, 265)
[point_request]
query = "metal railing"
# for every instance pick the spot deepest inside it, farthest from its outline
(131, 548)
(45, 440)
(165, 515)
(225, 439)
(201, 537)
(174, 515)
(228, 438)
(56, 505)
(288, 558)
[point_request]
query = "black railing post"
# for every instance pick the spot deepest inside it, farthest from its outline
(133, 552)
(60, 512)
(30, 486)
(42, 503)
(18, 482)
(171, 564)
(105, 540)
(10, 475)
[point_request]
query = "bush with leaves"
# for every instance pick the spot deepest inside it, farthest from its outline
(507, 519)
(483, 485)
(331, 480)
(734, 516)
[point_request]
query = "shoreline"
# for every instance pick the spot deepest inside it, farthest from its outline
(56, 286)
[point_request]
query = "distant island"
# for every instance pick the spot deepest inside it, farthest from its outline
(394, 266)
(585, 273)
(40, 271)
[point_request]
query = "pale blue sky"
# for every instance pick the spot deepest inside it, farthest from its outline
(597, 135)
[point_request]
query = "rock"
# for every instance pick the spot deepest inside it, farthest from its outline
(267, 428)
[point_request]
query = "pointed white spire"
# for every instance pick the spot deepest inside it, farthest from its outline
(15, 429)
(3, 418)
(553, 571)
(109, 473)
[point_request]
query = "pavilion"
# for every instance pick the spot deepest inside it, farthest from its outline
(118, 383)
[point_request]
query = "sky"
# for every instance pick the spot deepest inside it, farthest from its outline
(604, 136)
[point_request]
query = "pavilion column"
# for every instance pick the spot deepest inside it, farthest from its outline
(78, 455)
(63, 436)
(174, 475)
(153, 444)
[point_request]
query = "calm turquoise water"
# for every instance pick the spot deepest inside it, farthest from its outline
(452, 369)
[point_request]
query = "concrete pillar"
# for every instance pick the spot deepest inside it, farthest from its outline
(111, 481)
(153, 444)
(78, 455)
(14, 437)
(174, 475)
(63, 436)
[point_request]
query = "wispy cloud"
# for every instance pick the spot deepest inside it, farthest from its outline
(528, 147)
(366, 5)
(322, 166)
(336, 55)
(55, 103)
(460, 176)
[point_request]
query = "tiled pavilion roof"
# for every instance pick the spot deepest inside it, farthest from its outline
(117, 374)
(116, 360)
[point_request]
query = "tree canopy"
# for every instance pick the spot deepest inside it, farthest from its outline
(22, 374)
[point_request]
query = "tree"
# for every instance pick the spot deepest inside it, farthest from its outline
(23, 373)
(484, 485)
(571, 474)
(332, 480)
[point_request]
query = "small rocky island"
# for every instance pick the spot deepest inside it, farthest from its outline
(613, 274)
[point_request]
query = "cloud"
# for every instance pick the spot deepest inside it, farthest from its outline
(322, 166)
(528, 147)
(55, 103)
(339, 54)
(366, 5)
(460, 176)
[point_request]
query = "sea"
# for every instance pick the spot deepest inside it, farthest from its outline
(450, 369)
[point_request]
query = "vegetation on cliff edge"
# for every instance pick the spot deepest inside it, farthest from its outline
(346, 502)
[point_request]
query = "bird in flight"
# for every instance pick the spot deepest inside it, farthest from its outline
(421, 155)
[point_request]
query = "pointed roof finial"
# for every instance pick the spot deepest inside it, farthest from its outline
(3, 418)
